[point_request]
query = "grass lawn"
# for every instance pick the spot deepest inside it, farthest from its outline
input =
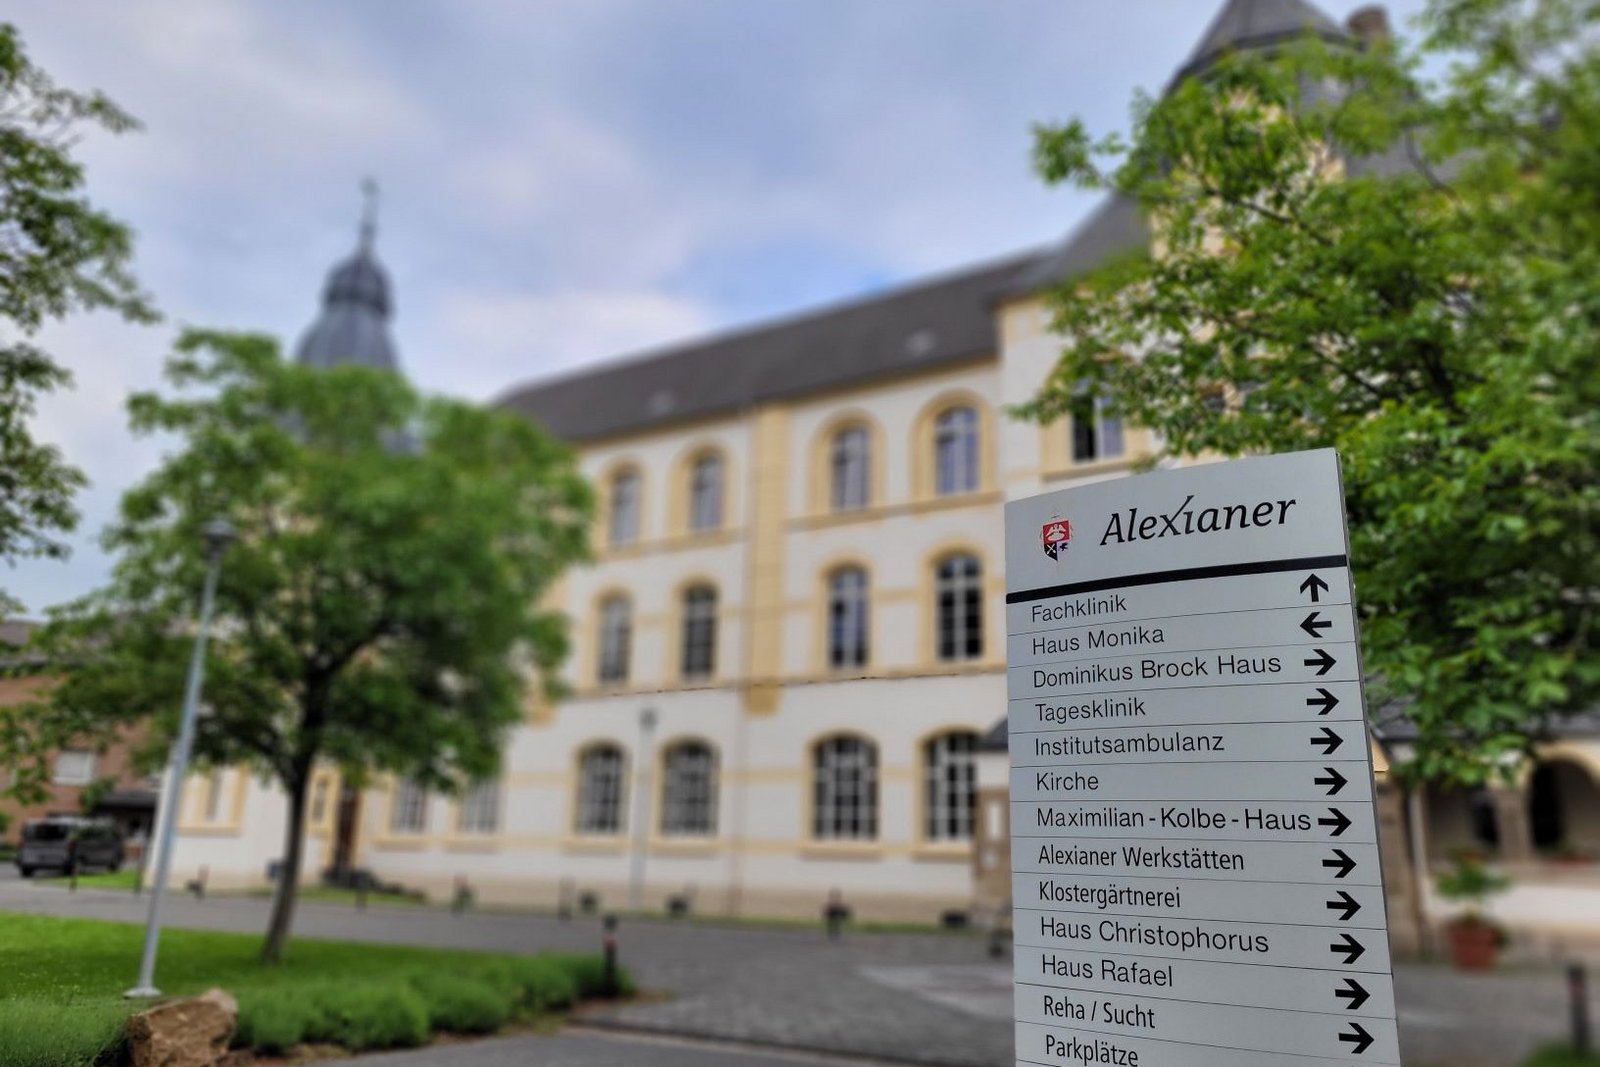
(61, 984)
(122, 879)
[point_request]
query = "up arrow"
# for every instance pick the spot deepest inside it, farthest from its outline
(1354, 992)
(1333, 780)
(1346, 906)
(1324, 700)
(1357, 1036)
(1339, 821)
(1341, 862)
(1313, 585)
(1322, 661)
(1328, 741)
(1353, 950)
(1314, 624)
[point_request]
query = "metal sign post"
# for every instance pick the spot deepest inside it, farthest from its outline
(1194, 848)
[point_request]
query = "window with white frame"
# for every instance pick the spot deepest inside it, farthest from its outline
(600, 790)
(955, 450)
(689, 790)
(699, 632)
(616, 639)
(624, 508)
(847, 618)
(480, 808)
(1096, 432)
(845, 790)
(705, 493)
(74, 766)
(950, 783)
(958, 604)
(408, 808)
(849, 465)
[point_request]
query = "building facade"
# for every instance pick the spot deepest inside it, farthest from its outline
(790, 643)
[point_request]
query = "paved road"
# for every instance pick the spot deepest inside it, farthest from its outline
(580, 1048)
(912, 998)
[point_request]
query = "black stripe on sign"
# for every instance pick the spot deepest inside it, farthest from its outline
(1188, 574)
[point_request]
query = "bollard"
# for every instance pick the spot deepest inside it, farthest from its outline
(608, 979)
(463, 897)
(1578, 995)
(835, 913)
(198, 886)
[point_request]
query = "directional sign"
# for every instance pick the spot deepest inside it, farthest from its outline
(1195, 875)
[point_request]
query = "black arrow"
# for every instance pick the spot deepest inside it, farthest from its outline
(1324, 699)
(1346, 906)
(1360, 1038)
(1323, 662)
(1313, 585)
(1353, 950)
(1333, 780)
(1354, 992)
(1340, 862)
(1314, 624)
(1340, 822)
(1329, 741)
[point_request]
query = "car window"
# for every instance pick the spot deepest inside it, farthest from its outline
(46, 831)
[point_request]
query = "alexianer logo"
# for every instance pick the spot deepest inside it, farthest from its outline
(1055, 534)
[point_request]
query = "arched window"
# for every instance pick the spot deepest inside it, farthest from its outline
(1096, 434)
(955, 451)
(958, 604)
(950, 779)
(616, 639)
(689, 790)
(408, 808)
(849, 467)
(699, 632)
(480, 808)
(845, 790)
(705, 493)
(600, 771)
(847, 617)
(624, 508)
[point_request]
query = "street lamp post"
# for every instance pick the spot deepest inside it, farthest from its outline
(217, 533)
(641, 809)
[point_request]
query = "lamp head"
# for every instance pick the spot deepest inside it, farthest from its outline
(217, 534)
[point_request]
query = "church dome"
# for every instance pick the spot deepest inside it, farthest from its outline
(353, 326)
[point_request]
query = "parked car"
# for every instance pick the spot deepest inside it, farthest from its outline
(65, 842)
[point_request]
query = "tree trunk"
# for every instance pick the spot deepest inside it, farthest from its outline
(288, 889)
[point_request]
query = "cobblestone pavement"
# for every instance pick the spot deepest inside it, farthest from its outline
(934, 999)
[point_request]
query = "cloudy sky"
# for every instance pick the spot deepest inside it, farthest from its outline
(563, 180)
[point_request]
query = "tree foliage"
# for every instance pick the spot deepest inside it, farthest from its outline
(1345, 254)
(58, 254)
(379, 611)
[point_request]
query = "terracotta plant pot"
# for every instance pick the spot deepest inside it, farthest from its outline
(1474, 944)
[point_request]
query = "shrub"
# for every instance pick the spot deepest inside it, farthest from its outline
(386, 1015)
(1561, 1056)
(588, 972)
(540, 983)
(274, 1020)
(43, 1033)
(463, 1005)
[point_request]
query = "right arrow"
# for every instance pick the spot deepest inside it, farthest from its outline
(1328, 741)
(1352, 949)
(1333, 780)
(1339, 821)
(1340, 862)
(1322, 661)
(1324, 699)
(1314, 624)
(1346, 905)
(1313, 584)
(1354, 992)
(1358, 1037)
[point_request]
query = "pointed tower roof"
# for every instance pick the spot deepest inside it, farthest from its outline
(1243, 24)
(353, 326)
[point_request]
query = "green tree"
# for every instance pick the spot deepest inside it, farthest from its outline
(58, 254)
(1346, 255)
(380, 611)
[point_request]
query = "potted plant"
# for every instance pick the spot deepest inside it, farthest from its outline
(1474, 940)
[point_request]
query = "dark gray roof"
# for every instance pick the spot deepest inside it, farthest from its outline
(943, 321)
(353, 326)
(1116, 227)
(1245, 24)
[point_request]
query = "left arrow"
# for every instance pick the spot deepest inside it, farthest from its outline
(1322, 661)
(1359, 1037)
(1314, 624)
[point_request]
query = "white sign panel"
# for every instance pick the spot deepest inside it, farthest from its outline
(1195, 875)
